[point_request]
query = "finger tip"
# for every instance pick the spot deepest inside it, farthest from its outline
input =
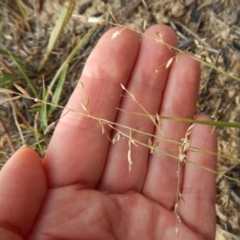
(26, 152)
(117, 46)
(25, 160)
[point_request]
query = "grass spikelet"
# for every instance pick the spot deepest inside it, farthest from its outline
(182, 158)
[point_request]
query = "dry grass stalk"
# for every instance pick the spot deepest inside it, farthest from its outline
(7, 137)
(154, 120)
(16, 122)
(20, 89)
(85, 100)
(117, 137)
(117, 33)
(53, 124)
(104, 131)
(182, 158)
(152, 146)
(50, 127)
(9, 99)
(130, 142)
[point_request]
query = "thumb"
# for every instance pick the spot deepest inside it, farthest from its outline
(23, 187)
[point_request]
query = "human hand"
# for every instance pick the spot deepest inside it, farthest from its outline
(83, 189)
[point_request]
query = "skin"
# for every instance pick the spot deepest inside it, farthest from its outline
(83, 188)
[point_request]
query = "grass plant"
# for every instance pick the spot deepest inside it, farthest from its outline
(19, 87)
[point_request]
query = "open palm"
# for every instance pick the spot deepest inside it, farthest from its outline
(83, 189)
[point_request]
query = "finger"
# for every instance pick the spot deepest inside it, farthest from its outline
(77, 151)
(198, 208)
(22, 190)
(179, 101)
(146, 85)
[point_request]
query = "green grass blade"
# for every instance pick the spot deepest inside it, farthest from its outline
(204, 122)
(29, 82)
(189, 120)
(78, 47)
(43, 113)
(58, 90)
(38, 135)
(7, 79)
(9, 54)
(21, 9)
(58, 29)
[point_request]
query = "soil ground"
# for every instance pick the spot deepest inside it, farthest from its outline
(208, 28)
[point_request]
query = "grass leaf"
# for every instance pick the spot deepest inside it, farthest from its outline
(58, 29)
(43, 113)
(58, 90)
(21, 9)
(7, 79)
(78, 47)
(29, 82)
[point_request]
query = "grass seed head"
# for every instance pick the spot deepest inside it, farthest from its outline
(169, 62)
(115, 34)
(49, 127)
(130, 162)
(98, 20)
